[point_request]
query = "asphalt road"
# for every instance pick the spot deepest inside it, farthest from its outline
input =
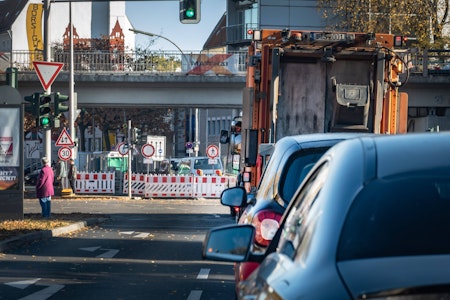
(147, 249)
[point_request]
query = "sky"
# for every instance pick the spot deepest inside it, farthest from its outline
(162, 18)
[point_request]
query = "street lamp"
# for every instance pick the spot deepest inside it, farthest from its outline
(153, 34)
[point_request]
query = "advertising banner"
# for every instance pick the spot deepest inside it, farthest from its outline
(212, 64)
(9, 148)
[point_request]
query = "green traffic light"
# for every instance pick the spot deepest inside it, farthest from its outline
(190, 13)
(45, 121)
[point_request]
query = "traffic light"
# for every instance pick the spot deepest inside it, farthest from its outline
(189, 11)
(44, 117)
(136, 135)
(59, 104)
(32, 107)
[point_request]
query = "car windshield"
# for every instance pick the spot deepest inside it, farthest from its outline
(203, 164)
(406, 215)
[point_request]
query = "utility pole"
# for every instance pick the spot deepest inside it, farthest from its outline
(47, 51)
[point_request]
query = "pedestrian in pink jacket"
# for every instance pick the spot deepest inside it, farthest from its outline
(44, 187)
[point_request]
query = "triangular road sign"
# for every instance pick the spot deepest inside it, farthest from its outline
(64, 139)
(47, 72)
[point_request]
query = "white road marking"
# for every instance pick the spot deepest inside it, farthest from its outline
(195, 295)
(90, 249)
(203, 274)
(44, 294)
(47, 292)
(142, 235)
(110, 253)
(23, 283)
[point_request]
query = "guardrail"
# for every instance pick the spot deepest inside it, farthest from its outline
(425, 62)
(190, 63)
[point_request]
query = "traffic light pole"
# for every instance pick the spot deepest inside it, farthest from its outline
(47, 49)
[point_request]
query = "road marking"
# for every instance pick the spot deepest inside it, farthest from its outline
(90, 249)
(195, 295)
(142, 235)
(203, 274)
(110, 253)
(23, 284)
(44, 294)
(47, 292)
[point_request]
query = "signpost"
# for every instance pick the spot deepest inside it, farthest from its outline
(64, 139)
(47, 72)
(147, 150)
(65, 153)
(122, 148)
(212, 151)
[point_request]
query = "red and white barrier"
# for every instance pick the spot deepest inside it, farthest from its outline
(95, 183)
(168, 186)
(138, 183)
(209, 186)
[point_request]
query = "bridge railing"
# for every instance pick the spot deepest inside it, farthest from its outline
(190, 63)
(419, 62)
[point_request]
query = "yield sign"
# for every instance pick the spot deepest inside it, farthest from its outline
(64, 139)
(47, 72)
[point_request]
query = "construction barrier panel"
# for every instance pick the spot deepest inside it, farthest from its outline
(168, 186)
(138, 183)
(95, 183)
(209, 186)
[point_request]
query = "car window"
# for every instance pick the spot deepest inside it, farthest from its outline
(203, 164)
(295, 171)
(406, 215)
(303, 215)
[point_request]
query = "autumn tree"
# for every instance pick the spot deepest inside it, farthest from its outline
(151, 121)
(423, 19)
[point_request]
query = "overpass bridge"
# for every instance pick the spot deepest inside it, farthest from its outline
(203, 80)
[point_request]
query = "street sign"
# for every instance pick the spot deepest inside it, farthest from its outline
(47, 72)
(212, 151)
(122, 148)
(147, 150)
(64, 139)
(65, 153)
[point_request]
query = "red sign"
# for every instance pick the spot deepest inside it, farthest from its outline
(47, 72)
(65, 153)
(147, 150)
(64, 139)
(212, 151)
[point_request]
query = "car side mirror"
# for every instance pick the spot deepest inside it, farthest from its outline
(229, 243)
(235, 196)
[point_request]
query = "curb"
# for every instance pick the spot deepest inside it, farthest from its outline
(21, 240)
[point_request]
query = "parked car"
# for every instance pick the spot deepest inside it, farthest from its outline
(200, 165)
(370, 221)
(290, 161)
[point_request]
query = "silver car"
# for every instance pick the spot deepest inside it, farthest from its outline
(370, 221)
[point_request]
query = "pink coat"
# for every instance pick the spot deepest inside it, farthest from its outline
(44, 183)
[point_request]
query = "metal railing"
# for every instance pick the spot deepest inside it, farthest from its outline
(196, 63)
(419, 62)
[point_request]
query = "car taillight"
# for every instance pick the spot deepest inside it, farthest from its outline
(266, 223)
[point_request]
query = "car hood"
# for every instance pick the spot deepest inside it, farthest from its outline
(394, 275)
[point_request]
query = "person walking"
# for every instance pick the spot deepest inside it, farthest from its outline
(44, 187)
(72, 175)
(61, 174)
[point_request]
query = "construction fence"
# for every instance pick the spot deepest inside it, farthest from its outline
(154, 186)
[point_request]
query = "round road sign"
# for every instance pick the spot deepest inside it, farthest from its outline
(212, 151)
(147, 150)
(122, 148)
(65, 153)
